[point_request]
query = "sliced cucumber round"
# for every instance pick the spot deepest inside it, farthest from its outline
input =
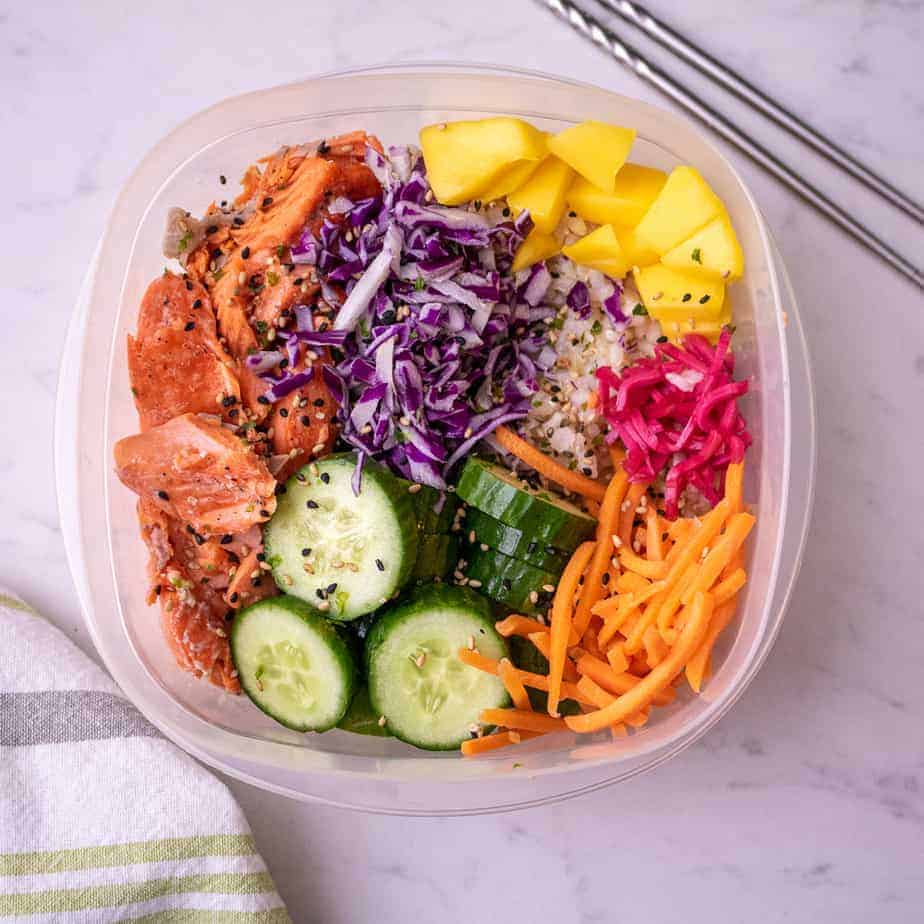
(343, 554)
(541, 514)
(428, 696)
(436, 557)
(293, 664)
(523, 587)
(480, 529)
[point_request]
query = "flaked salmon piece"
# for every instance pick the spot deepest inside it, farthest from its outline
(198, 472)
(176, 363)
(193, 613)
(303, 422)
(250, 582)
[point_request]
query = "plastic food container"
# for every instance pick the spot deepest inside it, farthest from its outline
(95, 409)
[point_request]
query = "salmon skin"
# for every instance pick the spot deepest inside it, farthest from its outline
(201, 464)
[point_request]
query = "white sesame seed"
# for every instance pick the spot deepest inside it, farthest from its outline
(626, 504)
(474, 583)
(414, 488)
(420, 659)
(472, 537)
(617, 542)
(484, 547)
(471, 643)
(324, 606)
(549, 588)
(381, 721)
(533, 597)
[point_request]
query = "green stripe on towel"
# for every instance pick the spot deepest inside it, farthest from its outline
(158, 851)
(11, 603)
(201, 916)
(113, 895)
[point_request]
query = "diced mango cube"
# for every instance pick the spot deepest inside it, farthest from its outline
(635, 188)
(509, 179)
(678, 293)
(464, 159)
(543, 194)
(600, 250)
(713, 251)
(636, 253)
(595, 150)
(683, 206)
(537, 246)
(676, 329)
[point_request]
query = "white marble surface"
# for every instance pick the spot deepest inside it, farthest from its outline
(806, 803)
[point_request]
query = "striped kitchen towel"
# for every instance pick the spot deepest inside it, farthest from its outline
(101, 818)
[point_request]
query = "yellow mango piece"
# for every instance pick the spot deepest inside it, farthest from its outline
(712, 251)
(509, 179)
(635, 188)
(537, 246)
(636, 253)
(676, 329)
(543, 194)
(683, 206)
(465, 158)
(600, 250)
(678, 293)
(595, 150)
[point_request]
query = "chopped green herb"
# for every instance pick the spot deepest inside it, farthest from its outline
(662, 339)
(596, 328)
(419, 283)
(184, 241)
(640, 309)
(262, 327)
(272, 278)
(697, 256)
(280, 251)
(217, 275)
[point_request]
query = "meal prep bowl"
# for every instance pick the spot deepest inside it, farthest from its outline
(95, 409)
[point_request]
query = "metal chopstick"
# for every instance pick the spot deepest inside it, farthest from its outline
(744, 90)
(625, 54)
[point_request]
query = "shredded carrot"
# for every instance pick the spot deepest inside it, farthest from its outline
(525, 452)
(654, 547)
(617, 658)
(660, 678)
(519, 718)
(562, 606)
(734, 486)
(475, 746)
(639, 718)
(697, 666)
(727, 589)
(655, 648)
(649, 569)
(519, 625)
(627, 510)
(593, 582)
(514, 685)
(736, 531)
(479, 661)
(628, 582)
(600, 672)
(542, 641)
(590, 643)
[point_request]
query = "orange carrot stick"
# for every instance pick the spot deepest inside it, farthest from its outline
(479, 661)
(562, 606)
(655, 570)
(727, 589)
(660, 677)
(593, 582)
(525, 452)
(475, 746)
(509, 676)
(518, 718)
(654, 547)
(542, 641)
(601, 673)
(734, 486)
(696, 667)
(627, 511)
(736, 531)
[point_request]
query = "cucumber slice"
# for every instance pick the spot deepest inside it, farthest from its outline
(361, 718)
(436, 557)
(435, 510)
(293, 664)
(428, 696)
(537, 512)
(522, 587)
(343, 554)
(480, 529)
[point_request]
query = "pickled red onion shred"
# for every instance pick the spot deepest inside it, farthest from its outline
(693, 433)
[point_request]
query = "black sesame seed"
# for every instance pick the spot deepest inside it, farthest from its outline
(228, 401)
(211, 229)
(267, 202)
(306, 420)
(704, 299)
(190, 325)
(197, 303)
(507, 585)
(163, 495)
(331, 588)
(229, 614)
(606, 578)
(226, 539)
(189, 528)
(157, 590)
(319, 402)
(662, 339)
(222, 179)
(233, 413)
(379, 564)
(306, 553)
(234, 597)
(261, 556)
(531, 548)
(265, 514)
(238, 221)
(587, 471)
(311, 504)
(323, 147)
(686, 297)
(199, 539)
(281, 489)
(216, 253)
(262, 399)
(245, 253)
(189, 286)
(325, 477)
(256, 582)
(320, 592)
